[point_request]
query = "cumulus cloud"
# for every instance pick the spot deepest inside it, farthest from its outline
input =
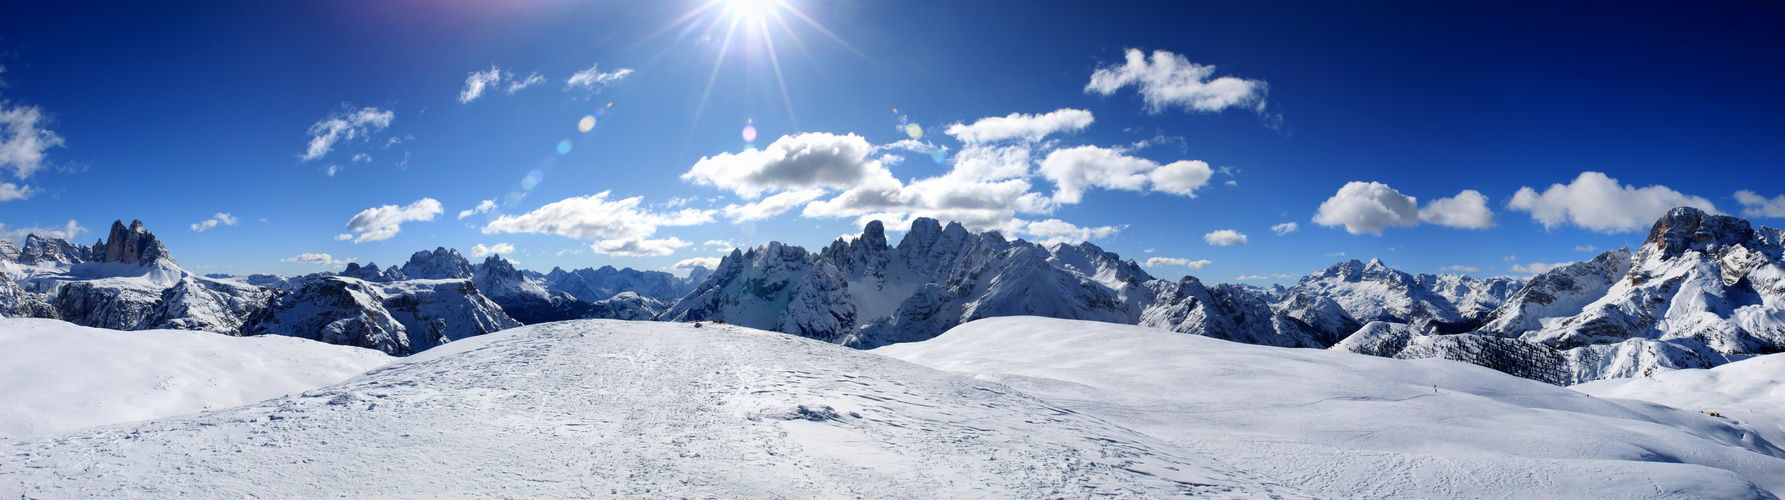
(1021, 126)
(23, 140)
(345, 124)
(771, 206)
(691, 263)
(67, 232)
(1169, 261)
(1367, 207)
(1058, 231)
(482, 207)
(1460, 269)
(477, 82)
(479, 250)
(1225, 238)
(1600, 203)
(320, 259)
(592, 80)
(1286, 228)
(1536, 267)
(1754, 205)
(720, 244)
(343, 236)
(1467, 210)
(1075, 169)
(383, 222)
(618, 227)
(1171, 80)
(10, 191)
(805, 161)
(220, 218)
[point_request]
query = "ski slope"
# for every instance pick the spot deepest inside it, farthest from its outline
(1348, 425)
(56, 376)
(602, 408)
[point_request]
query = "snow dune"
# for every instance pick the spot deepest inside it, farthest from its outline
(632, 409)
(1348, 425)
(60, 377)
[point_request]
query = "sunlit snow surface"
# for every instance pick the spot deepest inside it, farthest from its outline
(623, 409)
(1348, 425)
(1750, 392)
(56, 376)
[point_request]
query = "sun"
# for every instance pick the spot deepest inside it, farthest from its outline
(751, 9)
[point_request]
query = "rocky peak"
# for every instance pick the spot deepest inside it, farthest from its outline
(8, 251)
(497, 268)
(1685, 228)
(442, 263)
(39, 249)
(371, 272)
(133, 245)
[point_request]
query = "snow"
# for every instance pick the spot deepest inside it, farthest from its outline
(60, 377)
(1749, 393)
(632, 409)
(1349, 425)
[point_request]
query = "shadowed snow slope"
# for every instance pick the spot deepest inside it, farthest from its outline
(1351, 425)
(60, 376)
(1750, 392)
(633, 409)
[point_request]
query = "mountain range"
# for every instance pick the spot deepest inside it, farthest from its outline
(1703, 290)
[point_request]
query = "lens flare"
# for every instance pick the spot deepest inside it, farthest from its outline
(914, 131)
(564, 147)
(938, 156)
(749, 133)
(532, 180)
(586, 124)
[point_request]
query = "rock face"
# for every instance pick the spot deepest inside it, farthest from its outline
(397, 318)
(41, 250)
(1703, 290)
(134, 245)
(371, 272)
(523, 298)
(441, 264)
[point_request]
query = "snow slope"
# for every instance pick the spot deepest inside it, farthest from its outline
(1350, 425)
(60, 376)
(1750, 392)
(631, 409)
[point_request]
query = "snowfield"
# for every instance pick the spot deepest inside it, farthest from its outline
(632, 409)
(1348, 425)
(1750, 392)
(60, 377)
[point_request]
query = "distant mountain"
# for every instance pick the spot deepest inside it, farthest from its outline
(1702, 291)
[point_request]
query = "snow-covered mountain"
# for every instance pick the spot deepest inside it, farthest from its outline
(644, 410)
(597, 284)
(1703, 290)
(523, 298)
(398, 318)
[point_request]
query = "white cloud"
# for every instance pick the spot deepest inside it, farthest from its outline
(720, 244)
(592, 80)
(343, 236)
(10, 191)
(1075, 169)
(618, 227)
(361, 158)
(482, 207)
(1171, 80)
(1460, 269)
(1536, 267)
(771, 206)
(67, 232)
(1286, 228)
(220, 218)
(374, 224)
(1245, 277)
(345, 124)
(1368, 207)
(320, 259)
(331, 170)
(1585, 248)
(1600, 203)
(479, 250)
(805, 161)
(1467, 210)
(1058, 231)
(1169, 261)
(477, 82)
(23, 140)
(1225, 238)
(639, 247)
(691, 263)
(1754, 205)
(991, 163)
(1021, 126)
(1509, 258)
(532, 79)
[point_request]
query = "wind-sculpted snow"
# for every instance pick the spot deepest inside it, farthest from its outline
(61, 377)
(622, 409)
(1351, 426)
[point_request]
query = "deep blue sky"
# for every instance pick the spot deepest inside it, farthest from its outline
(173, 113)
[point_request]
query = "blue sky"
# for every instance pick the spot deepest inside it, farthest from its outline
(1408, 131)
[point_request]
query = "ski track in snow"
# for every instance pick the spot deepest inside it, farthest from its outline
(616, 409)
